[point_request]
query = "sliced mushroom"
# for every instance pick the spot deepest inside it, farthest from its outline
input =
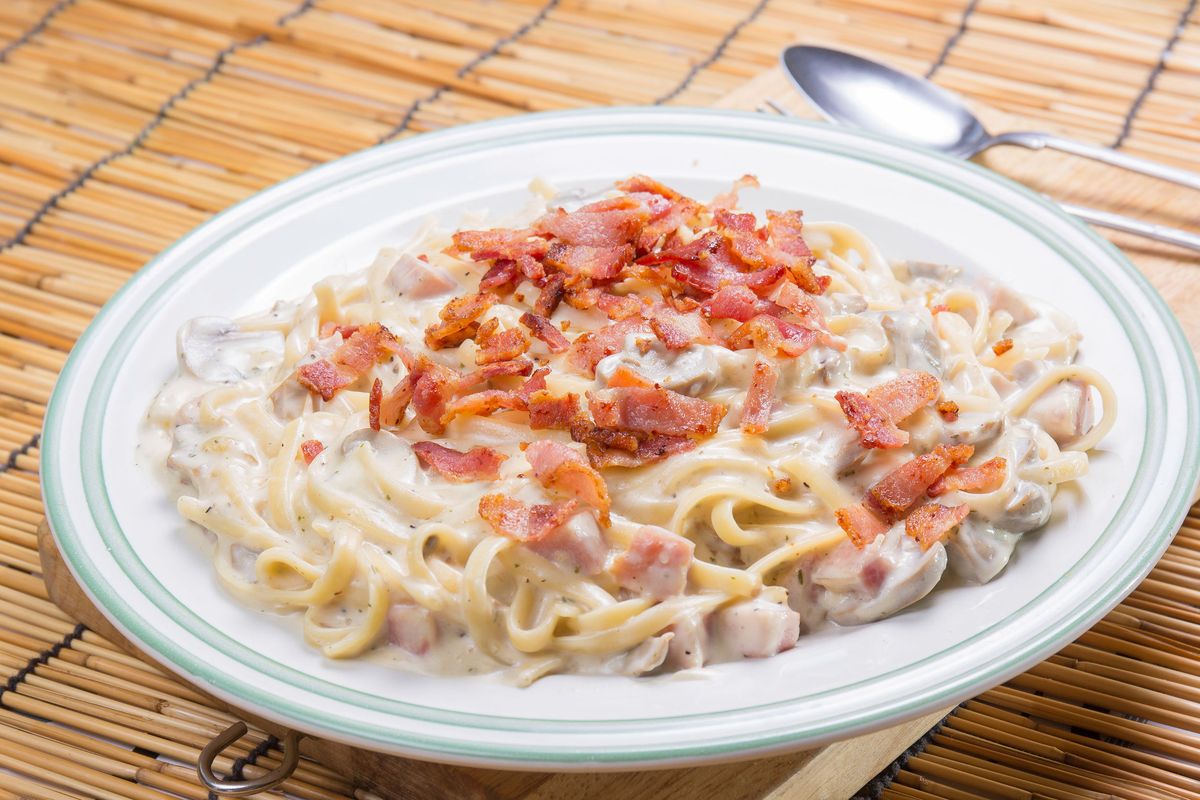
(694, 370)
(214, 349)
(914, 344)
(690, 641)
(646, 657)
(980, 550)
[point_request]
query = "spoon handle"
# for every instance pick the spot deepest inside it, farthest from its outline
(1037, 141)
(1119, 222)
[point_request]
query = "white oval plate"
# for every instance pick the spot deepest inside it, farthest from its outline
(124, 542)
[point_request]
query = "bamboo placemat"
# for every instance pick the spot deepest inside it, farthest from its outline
(124, 123)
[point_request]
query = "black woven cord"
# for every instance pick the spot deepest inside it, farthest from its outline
(239, 765)
(953, 40)
(700, 66)
(149, 128)
(37, 27)
(11, 463)
(41, 658)
(874, 789)
(467, 68)
(1152, 78)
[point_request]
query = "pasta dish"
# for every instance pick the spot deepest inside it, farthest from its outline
(635, 435)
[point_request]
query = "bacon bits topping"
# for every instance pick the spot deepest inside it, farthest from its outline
(590, 348)
(987, 477)
(366, 345)
(477, 464)
(525, 523)
(889, 500)
(550, 295)
(948, 409)
(896, 492)
(756, 412)
(655, 410)
(374, 402)
(522, 247)
(786, 232)
(544, 330)
(607, 223)
(549, 411)
(600, 264)
(656, 563)
(618, 307)
(482, 404)
(931, 523)
(875, 415)
(430, 386)
(496, 345)
(458, 320)
(1003, 346)
(771, 336)
(310, 449)
(646, 451)
(561, 469)
(676, 330)
(738, 303)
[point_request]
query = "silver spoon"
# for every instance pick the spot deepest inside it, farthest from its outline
(860, 93)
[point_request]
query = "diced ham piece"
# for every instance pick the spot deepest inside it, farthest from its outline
(310, 449)
(676, 330)
(367, 345)
(561, 469)
(987, 477)
(876, 414)
(655, 410)
(550, 295)
(578, 542)
(931, 523)
(412, 628)
(417, 279)
(599, 264)
(739, 303)
(605, 223)
(517, 520)
(552, 411)
(545, 330)
(458, 320)
(656, 563)
(496, 345)
(771, 336)
(647, 451)
(476, 464)
(757, 628)
(756, 412)
(900, 489)
(587, 350)
(860, 524)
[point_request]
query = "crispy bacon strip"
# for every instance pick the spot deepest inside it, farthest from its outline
(606, 223)
(987, 477)
(948, 409)
(477, 464)
(516, 520)
(789, 248)
(310, 449)
(588, 349)
(482, 404)
(561, 469)
(756, 412)
(456, 318)
(654, 410)
(932, 523)
(535, 383)
(374, 403)
(860, 524)
(771, 336)
(648, 451)
(618, 307)
(367, 345)
(876, 414)
(550, 295)
(676, 330)
(503, 276)
(900, 489)
(729, 199)
(624, 376)
(738, 303)
(708, 263)
(599, 264)
(496, 345)
(430, 387)
(500, 369)
(520, 246)
(552, 411)
(544, 330)
(875, 428)
(330, 328)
